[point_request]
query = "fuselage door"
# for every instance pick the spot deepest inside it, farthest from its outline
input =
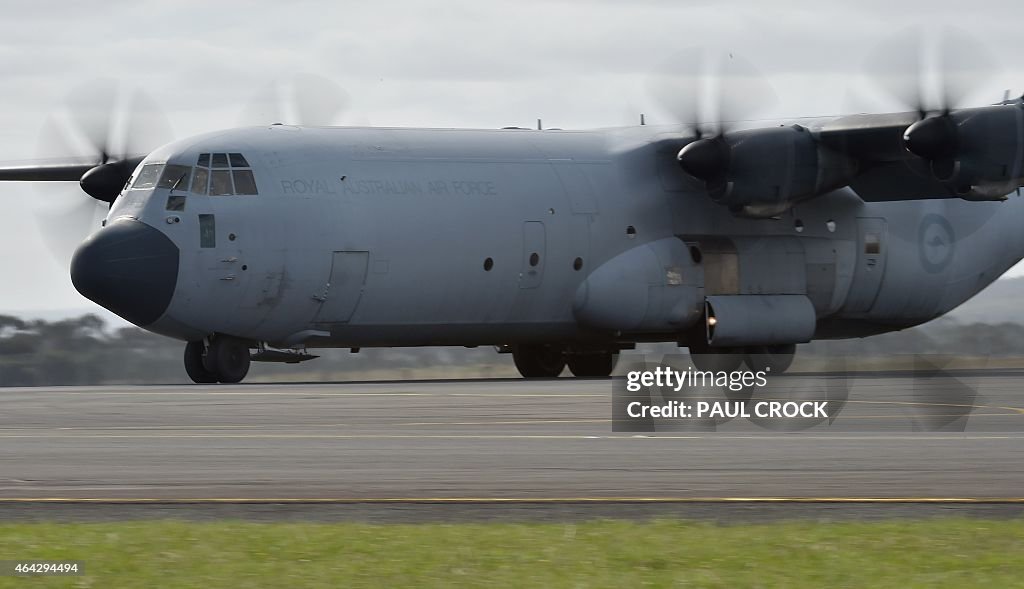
(871, 253)
(343, 290)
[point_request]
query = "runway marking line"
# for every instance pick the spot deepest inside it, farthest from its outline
(917, 436)
(1019, 410)
(236, 426)
(516, 500)
(321, 394)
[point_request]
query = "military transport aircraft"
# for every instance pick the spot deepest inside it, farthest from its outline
(562, 247)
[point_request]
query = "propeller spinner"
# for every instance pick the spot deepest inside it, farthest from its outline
(711, 93)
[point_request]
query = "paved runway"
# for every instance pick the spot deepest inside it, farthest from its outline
(507, 441)
(511, 439)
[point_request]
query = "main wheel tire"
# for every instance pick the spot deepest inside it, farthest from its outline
(711, 359)
(194, 364)
(592, 365)
(539, 360)
(228, 358)
(771, 359)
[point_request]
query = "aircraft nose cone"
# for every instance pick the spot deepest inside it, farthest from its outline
(129, 268)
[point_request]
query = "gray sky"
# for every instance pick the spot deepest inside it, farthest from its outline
(477, 63)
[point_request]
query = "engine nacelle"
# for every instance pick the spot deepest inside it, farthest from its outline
(744, 320)
(763, 172)
(979, 152)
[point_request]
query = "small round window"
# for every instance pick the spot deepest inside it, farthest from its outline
(488, 264)
(695, 254)
(534, 259)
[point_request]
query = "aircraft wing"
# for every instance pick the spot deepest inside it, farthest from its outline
(100, 181)
(886, 169)
(45, 172)
(973, 154)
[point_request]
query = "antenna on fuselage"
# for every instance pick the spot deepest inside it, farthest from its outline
(642, 121)
(539, 126)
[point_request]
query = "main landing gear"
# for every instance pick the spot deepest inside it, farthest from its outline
(225, 359)
(549, 360)
(773, 359)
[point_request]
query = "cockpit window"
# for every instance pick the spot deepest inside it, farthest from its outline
(244, 182)
(231, 175)
(148, 176)
(200, 180)
(175, 177)
(220, 183)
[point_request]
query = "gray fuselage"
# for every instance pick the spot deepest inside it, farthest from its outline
(409, 237)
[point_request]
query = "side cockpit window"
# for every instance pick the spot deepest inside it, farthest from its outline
(244, 181)
(223, 174)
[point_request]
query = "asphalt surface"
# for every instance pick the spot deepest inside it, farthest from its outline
(440, 450)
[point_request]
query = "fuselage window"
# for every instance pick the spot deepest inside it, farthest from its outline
(176, 202)
(872, 243)
(207, 231)
(148, 176)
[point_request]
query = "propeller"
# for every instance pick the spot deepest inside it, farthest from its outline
(109, 131)
(711, 93)
(302, 99)
(931, 74)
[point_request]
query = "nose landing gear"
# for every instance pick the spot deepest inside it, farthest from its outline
(226, 359)
(194, 352)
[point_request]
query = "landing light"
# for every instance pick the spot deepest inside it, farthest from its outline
(712, 321)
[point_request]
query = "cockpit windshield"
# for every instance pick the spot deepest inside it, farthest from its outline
(163, 176)
(148, 176)
(216, 174)
(175, 177)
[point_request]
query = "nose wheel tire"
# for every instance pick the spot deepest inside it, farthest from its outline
(194, 364)
(225, 360)
(539, 360)
(228, 358)
(597, 365)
